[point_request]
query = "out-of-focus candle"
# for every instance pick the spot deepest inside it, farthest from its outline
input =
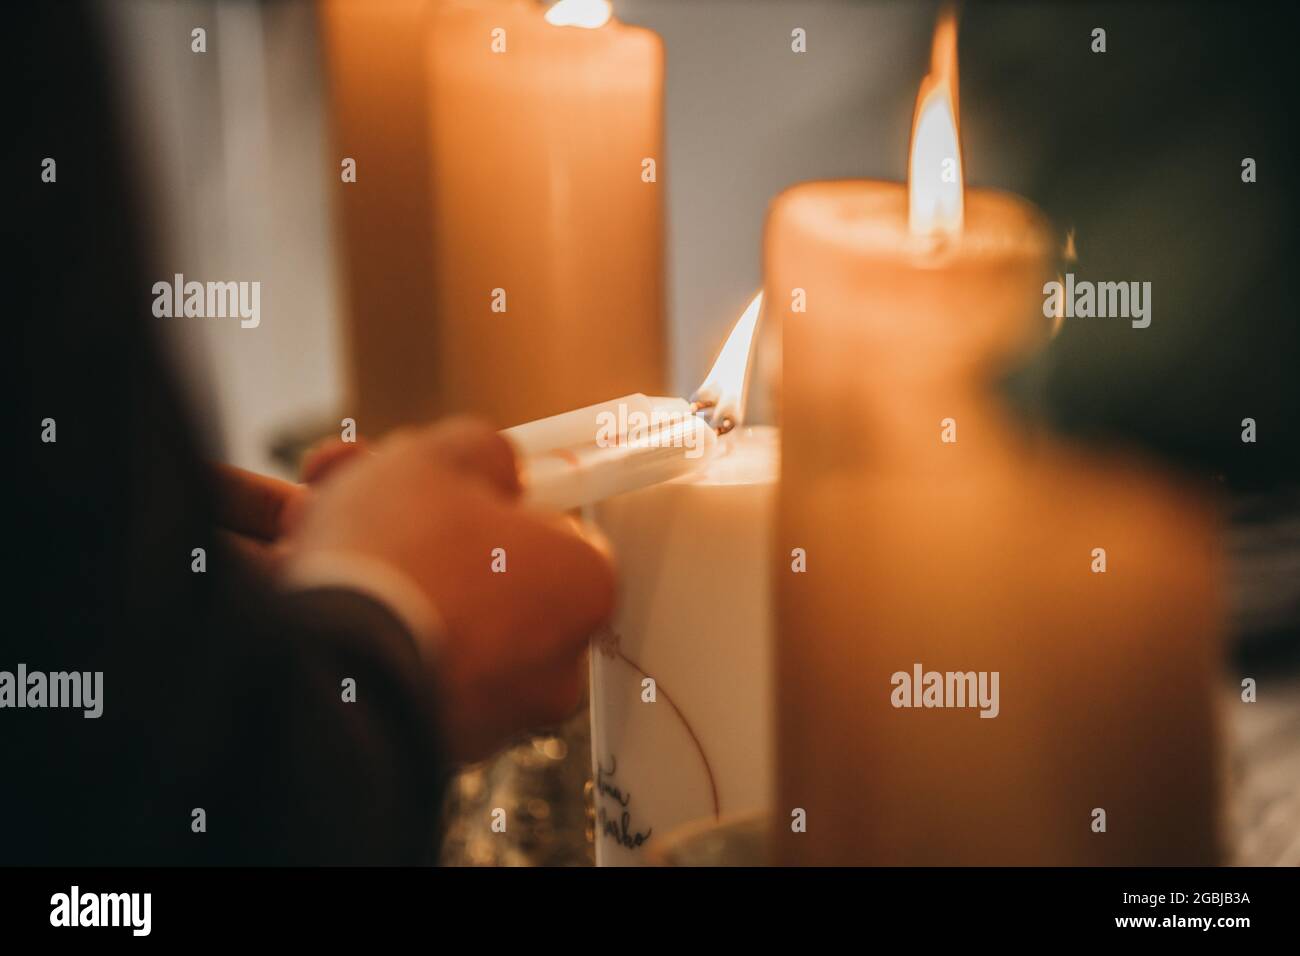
(547, 258)
(937, 535)
(375, 55)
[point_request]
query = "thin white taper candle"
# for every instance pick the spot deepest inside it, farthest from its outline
(580, 457)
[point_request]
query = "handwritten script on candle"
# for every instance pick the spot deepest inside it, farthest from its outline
(606, 641)
(621, 829)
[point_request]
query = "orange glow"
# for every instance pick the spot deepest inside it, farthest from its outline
(580, 13)
(1058, 319)
(935, 182)
(724, 386)
(1069, 254)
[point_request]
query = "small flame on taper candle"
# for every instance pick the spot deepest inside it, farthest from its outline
(590, 14)
(935, 182)
(723, 391)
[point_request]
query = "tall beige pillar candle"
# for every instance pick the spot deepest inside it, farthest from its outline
(546, 203)
(1078, 591)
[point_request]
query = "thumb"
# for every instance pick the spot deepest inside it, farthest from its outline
(474, 448)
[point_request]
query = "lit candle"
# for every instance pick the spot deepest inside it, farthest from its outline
(1078, 593)
(547, 259)
(681, 686)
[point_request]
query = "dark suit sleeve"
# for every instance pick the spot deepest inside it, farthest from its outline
(219, 694)
(331, 752)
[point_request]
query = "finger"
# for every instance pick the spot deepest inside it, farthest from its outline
(548, 695)
(571, 582)
(253, 504)
(474, 448)
(557, 691)
(326, 456)
(257, 554)
(292, 514)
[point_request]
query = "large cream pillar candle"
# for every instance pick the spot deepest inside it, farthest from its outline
(547, 247)
(939, 538)
(375, 56)
(693, 618)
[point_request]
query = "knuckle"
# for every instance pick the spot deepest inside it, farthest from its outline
(400, 438)
(473, 445)
(466, 430)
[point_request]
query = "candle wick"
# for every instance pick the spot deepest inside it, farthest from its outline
(721, 427)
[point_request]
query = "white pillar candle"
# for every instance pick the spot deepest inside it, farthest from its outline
(694, 618)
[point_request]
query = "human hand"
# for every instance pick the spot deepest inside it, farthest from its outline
(435, 504)
(256, 512)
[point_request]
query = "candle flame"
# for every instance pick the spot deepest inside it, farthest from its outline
(723, 390)
(936, 203)
(580, 13)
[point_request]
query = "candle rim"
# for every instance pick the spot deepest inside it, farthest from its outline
(998, 223)
(757, 437)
